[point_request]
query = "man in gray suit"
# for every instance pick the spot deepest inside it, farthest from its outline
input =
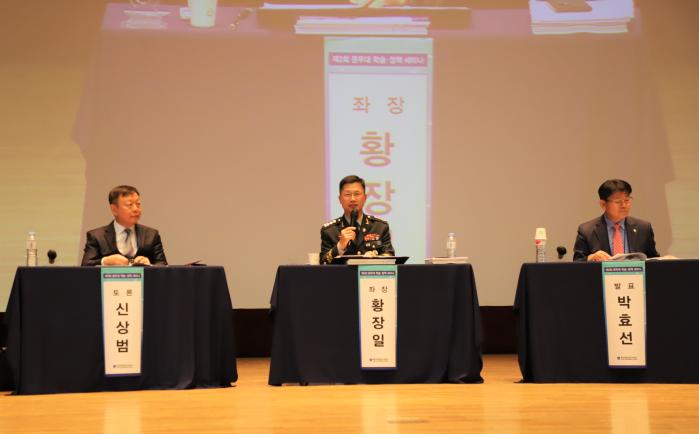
(124, 241)
(614, 232)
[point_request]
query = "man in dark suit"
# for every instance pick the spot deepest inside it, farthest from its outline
(124, 241)
(614, 232)
(369, 236)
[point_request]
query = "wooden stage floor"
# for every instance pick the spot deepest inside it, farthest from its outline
(500, 405)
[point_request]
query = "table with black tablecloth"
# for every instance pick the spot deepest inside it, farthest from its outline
(55, 338)
(562, 336)
(316, 326)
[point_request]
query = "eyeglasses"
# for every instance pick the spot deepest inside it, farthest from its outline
(351, 195)
(619, 202)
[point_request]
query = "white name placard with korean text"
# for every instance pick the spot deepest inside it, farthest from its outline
(122, 319)
(378, 102)
(378, 321)
(625, 312)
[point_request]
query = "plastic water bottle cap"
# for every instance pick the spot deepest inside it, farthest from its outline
(540, 234)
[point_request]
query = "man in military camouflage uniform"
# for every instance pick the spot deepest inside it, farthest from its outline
(371, 234)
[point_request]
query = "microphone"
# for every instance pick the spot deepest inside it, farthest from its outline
(561, 251)
(52, 256)
(353, 218)
(353, 223)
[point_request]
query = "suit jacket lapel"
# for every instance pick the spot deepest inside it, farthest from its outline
(603, 235)
(110, 238)
(140, 237)
(632, 235)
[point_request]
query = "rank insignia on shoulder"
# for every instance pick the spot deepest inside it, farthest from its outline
(330, 223)
(373, 217)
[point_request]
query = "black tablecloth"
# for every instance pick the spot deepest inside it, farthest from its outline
(316, 326)
(562, 335)
(55, 341)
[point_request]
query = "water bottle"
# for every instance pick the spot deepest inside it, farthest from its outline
(32, 259)
(540, 243)
(451, 245)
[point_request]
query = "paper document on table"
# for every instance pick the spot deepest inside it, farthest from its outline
(604, 16)
(369, 260)
(636, 256)
(310, 7)
(362, 25)
(445, 260)
(666, 258)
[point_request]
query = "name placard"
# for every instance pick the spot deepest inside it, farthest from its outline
(122, 319)
(625, 312)
(378, 322)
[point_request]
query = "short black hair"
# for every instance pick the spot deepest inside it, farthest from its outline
(611, 186)
(119, 191)
(351, 179)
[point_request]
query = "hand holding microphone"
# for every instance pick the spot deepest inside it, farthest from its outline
(350, 232)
